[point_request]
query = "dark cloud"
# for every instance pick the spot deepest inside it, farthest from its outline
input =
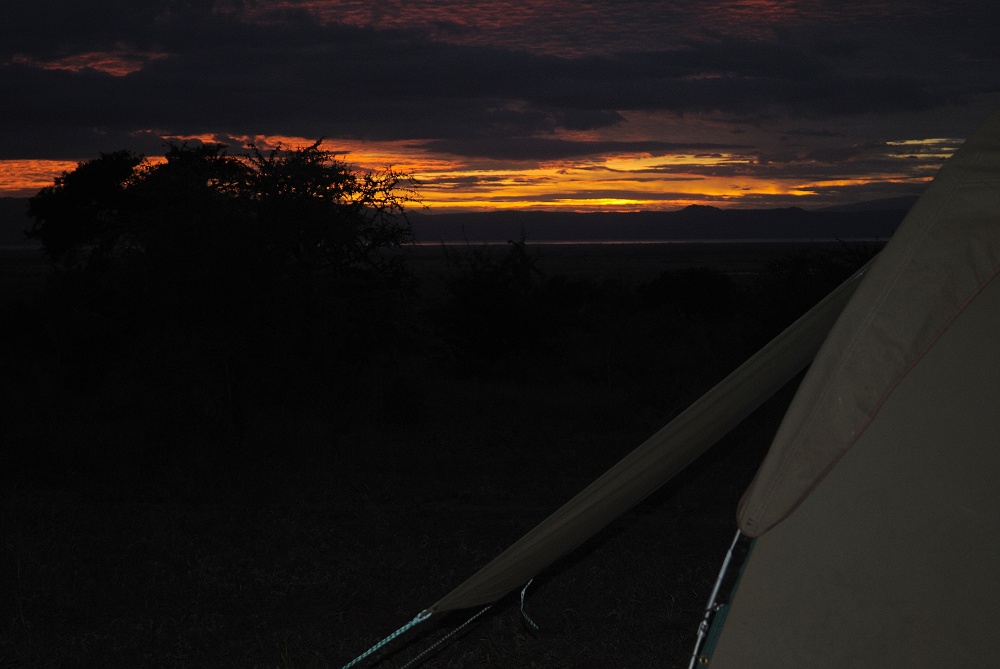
(805, 168)
(866, 192)
(355, 83)
(526, 82)
(556, 195)
(50, 28)
(465, 183)
(542, 148)
(811, 132)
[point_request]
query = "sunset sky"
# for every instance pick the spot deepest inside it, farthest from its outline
(537, 104)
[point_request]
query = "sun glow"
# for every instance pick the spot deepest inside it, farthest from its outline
(618, 183)
(615, 181)
(24, 178)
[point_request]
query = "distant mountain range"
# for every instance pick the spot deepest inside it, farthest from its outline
(867, 220)
(874, 221)
(884, 204)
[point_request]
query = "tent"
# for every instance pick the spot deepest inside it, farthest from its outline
(873, 514)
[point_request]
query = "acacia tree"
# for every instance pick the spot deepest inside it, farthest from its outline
(82, 213)
(302, 203)
(263, 261)
(325, 216)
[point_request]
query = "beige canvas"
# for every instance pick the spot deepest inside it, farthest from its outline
(945, 251)
(894, 559)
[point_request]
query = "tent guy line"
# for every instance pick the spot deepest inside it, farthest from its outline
(416, 620)
(713, 606)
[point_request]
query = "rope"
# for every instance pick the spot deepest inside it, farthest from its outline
(419, 618)
(415, 661)
(524, 614)
(711, 607)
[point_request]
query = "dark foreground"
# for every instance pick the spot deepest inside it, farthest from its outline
(138, 538)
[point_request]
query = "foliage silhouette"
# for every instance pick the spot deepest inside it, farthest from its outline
(247, 277)
(504, 304)
(218, 297)
(301, 204)
(792, 284)
(80, 214)
(701, 292)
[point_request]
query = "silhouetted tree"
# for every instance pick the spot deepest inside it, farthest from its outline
(81, 214)
(503, 304)
(327, 217)
(792, 284)
(302, 205)
(696, 292)
(265, 271)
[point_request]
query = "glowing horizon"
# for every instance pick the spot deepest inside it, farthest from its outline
(609, 182)
(511, 104)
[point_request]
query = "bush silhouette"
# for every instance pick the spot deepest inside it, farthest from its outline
(794, 283)
(246, 277)
(695, 292)
(503, 304)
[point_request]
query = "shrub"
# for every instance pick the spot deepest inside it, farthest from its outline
(251, 277)
(503, 304)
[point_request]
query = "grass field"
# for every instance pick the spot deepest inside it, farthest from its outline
(132, 539)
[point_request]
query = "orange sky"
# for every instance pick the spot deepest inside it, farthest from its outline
(517, 104)
(625, 181)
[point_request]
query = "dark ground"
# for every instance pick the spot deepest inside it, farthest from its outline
(310, 541)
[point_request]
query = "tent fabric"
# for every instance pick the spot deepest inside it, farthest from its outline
(657, 459)
(943, 254)
(875, 510)
(894, 559)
